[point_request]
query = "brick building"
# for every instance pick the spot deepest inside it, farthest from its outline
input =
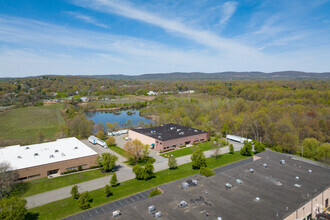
(168, 136)
(41, 160)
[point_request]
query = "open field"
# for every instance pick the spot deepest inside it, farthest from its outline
(22, 125)
(66, 207)
(189, 150)
(44, 184)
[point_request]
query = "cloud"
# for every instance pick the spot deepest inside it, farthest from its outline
(200, 36)
(227, 11)
(86, 19)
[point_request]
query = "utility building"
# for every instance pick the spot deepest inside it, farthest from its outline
(168, 136)
(41, 160)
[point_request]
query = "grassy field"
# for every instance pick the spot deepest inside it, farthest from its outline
(44, 184)
(22, 125)
(189, 150)
(66, 207)
(119, 150)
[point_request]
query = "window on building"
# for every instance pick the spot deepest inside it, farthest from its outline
(22, 178)
(326, 202)
(50, 172)
(309, 217)
(34, 176)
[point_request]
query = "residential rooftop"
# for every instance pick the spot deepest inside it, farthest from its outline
(169, 132)
(270, 192)
(21, 157)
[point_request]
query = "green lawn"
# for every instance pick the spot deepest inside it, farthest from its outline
(44, 184)
(22, 125)
(66, 207)
(119, 150)
(188, 150)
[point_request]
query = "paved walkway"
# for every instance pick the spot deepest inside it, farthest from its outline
(123, 174)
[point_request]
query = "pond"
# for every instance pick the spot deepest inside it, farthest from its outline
(119, 116)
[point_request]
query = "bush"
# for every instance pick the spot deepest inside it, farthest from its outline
(93, 167)
(114, 181)
(74, 192)
(206, 171)
(154, 192)
(107, 190)
(172, 164)
(70, 171)
(247, 149)
(144, 173)
(231, 149)
(198, 159)
(79, 168)
(259, 147)
(84, 200)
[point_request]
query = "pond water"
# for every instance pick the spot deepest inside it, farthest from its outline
(120, 116)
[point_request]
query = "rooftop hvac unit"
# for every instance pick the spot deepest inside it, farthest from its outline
(56, 151)
(63, 154)
(219, 218)
(19, 157)
(75, 148)
(195, 130)
(158, 214)
(194, 182)
(151, 208)
(228, 185)
(36, 154)
(282, 162)
(116, 213)
(265, 165)
(183, 204)
(51, 156)
(297, 177)
(251, 170)
(27, 148)
(172, 128)
(185, 185)
(309, 171)
(239, 181)
(178, 130)
(257, 199)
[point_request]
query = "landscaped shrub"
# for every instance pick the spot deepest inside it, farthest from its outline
(154, 192)
(231, 149)
(74, 192)
(206, 171)
(70, 171)
(84, 200)
(79, 168)
(114, 181)
(93, 167)
(107, 190)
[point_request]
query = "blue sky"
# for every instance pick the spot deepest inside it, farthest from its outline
(136, 37)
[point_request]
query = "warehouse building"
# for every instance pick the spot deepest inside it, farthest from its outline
(168, 136)
(270, 186)
(41, 160)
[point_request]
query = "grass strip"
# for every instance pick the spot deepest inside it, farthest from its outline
(68, 206)
(188, 150)
(44, 184)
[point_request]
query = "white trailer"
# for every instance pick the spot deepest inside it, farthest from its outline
(95, 140)
(237, 138)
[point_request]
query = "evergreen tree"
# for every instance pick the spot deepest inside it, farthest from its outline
(114, 181)
(107, 190)
(74, 192)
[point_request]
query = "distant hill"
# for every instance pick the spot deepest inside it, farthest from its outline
(285, 75)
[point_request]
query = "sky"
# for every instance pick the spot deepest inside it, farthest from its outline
(94, 37)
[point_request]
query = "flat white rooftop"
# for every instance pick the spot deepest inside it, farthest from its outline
(20, 157)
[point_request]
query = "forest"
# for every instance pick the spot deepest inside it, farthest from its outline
(289, 116)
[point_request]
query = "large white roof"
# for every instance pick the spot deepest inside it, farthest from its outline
(21, 157)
